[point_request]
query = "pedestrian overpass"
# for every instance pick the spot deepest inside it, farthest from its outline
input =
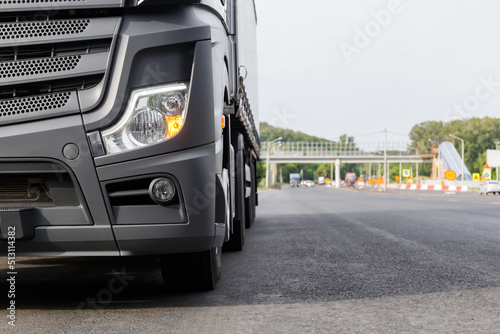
(337, 153)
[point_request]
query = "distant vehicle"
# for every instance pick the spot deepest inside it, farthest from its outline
(294, 180)
(489, 187)
(321, 180)
(350, 179)
(309, 183)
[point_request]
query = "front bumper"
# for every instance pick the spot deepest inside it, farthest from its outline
(129, 229)
(178, 228)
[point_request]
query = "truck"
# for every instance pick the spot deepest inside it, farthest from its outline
(294, 180)
(129, 128)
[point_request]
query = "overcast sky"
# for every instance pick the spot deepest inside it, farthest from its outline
(329, 67)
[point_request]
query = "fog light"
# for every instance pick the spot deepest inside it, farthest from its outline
(162, 190)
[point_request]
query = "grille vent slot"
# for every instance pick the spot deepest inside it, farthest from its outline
(38, 66)
(33, 104)
(36, 185)
(27, 208)
(57, 6)
(22, 2)
(48, 87)
(132, 192)
(14, 188)
(24, 190)
(53, 50)
(42, 29)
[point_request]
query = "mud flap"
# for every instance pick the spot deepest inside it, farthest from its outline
(222, 212)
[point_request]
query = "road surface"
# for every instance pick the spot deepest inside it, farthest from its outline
(317, 260)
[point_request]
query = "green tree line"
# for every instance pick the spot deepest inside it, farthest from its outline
(479, 135)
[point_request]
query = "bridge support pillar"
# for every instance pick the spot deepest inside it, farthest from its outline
(274, 174)
(337, 173)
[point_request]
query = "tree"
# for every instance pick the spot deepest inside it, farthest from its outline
(269, 133)
(479, 135)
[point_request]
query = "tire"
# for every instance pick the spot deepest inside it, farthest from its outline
(192, 272)
(237, 238)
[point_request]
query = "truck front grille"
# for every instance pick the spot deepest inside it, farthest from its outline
(51, 50)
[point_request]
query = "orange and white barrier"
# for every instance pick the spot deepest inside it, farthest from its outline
(425, 187)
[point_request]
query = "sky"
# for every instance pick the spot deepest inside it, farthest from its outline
(357, 67)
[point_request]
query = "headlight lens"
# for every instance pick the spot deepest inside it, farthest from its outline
(172, 104)
(148, 126)
(153, 115)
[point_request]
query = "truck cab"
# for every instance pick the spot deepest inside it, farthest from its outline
(127, 128)
(294, 180)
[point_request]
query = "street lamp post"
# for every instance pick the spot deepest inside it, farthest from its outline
(497, 143)
(463, 159)
(270, 146)
(434, 163)
(386, 177)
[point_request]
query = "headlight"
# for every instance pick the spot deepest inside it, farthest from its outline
(153, 115)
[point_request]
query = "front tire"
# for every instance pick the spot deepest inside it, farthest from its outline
(192, 271)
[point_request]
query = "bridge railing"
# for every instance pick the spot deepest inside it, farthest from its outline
(337, 149)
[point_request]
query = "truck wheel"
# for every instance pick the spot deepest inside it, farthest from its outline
(237, 238)
(192, 271)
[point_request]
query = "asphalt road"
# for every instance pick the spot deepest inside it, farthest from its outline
(317, 260)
